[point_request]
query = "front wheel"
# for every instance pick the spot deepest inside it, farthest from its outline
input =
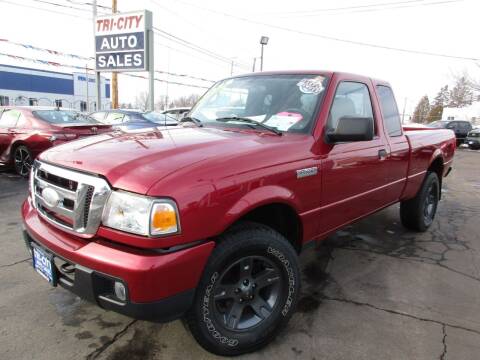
(22, 158)
(418, 213)
(247, 293)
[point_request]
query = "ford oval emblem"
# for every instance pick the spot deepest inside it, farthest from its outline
(50, 197)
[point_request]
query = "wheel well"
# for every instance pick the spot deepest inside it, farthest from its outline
(13, 148)
(281, 218)
(437, 167)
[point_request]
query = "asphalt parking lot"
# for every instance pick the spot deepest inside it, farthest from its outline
(371, 291)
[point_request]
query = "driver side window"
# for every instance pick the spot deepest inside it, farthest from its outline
(352, 100)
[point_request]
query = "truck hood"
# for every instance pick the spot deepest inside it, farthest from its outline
(135, 160)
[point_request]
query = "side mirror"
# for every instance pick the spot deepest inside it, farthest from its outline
(352, 129)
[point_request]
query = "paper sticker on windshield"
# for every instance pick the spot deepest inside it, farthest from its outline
(311, 86)
(284, 120)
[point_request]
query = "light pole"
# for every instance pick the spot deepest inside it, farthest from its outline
(263, 42)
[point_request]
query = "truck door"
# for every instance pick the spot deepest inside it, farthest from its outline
(354, 174)
(399, 149)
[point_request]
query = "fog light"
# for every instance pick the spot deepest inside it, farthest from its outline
(120, 291)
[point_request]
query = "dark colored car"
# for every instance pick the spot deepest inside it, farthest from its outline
(460, 127)
(27, 131)
(473, 139)
(132, 119)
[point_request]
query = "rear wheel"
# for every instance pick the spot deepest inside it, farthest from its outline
(247, 293)
(418, 213)
(22, 158)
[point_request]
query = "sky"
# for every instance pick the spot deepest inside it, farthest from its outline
(229, 31)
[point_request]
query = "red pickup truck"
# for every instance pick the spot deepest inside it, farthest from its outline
(206, 220)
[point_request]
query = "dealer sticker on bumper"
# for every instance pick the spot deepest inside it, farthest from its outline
(42, 263)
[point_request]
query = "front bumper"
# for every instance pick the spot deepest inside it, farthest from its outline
(472, 142)
(159, 286)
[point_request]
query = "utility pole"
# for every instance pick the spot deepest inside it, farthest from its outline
(403, 114)
(151, 63)
(98, 85)
(263, 42)
(254, 63)
(114, 74)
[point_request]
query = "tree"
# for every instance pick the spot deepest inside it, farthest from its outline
(462, 94)
(436, 110)
(141, 100)
(186, 101)
(421, 110)
(434, 114)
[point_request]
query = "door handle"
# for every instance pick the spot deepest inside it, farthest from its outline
(382, 154)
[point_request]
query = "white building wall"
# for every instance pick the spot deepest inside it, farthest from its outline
(78, 100)
(470, 113)
(17, 97)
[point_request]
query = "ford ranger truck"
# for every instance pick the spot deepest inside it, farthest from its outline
(205, 220)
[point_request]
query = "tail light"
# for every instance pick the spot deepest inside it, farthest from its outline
(62, 137)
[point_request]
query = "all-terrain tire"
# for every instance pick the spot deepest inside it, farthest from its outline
(418, 213)
(274, 274)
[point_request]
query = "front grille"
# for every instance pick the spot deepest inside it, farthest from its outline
(70, 200)
(57, 180)
(88, 201)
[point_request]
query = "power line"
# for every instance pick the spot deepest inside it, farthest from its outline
(323, 10)
(364, 9)
(192, 46)
(85, 58)
(46, 10)
(83, 68)
(165, 81)
(332, 38)
(184, 19)
(184, 75)
(89, 4)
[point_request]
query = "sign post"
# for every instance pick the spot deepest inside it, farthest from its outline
(124, 43)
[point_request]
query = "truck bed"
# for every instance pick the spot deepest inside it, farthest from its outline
(425, 143)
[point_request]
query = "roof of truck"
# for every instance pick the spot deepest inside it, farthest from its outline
(313, 72)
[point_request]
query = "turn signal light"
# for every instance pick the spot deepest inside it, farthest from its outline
(164, 219)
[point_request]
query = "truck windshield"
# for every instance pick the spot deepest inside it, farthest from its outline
(285, 103)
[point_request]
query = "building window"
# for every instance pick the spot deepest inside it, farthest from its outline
(58, 103)
(83, 106)
(32, 102)
(4, 100)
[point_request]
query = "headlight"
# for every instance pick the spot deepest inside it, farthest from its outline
(140, 214)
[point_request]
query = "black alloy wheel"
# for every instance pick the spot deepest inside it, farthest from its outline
(430, 204)
(247, 292)
(22, 161)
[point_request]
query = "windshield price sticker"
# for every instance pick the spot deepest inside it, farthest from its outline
(311, 86)
(121, 43)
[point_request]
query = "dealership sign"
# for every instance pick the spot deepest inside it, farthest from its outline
(121, 42)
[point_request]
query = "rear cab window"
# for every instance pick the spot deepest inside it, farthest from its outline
(388, 106)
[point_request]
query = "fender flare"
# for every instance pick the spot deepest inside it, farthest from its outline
(437, 154)
(265, 195)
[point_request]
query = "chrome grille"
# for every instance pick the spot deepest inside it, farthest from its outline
(75, 200)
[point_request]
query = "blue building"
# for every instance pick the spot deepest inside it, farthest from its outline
(27, 86)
